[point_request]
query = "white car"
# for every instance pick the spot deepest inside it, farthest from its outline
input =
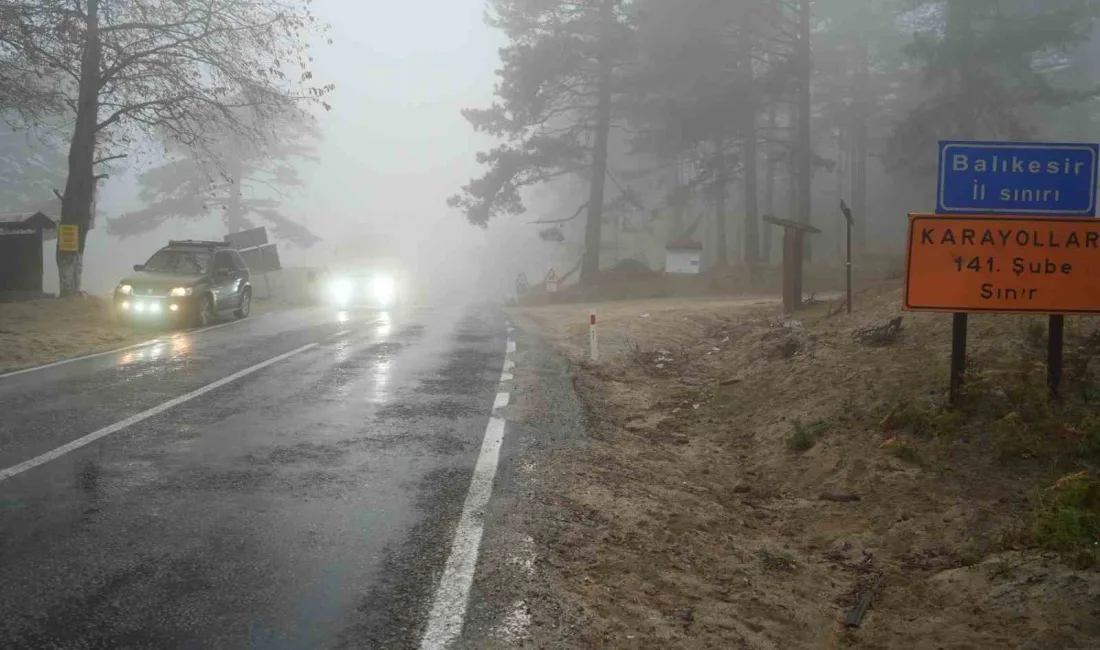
(363, 289)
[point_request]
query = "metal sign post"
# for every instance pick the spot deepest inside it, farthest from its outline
(850, 222)
(1032, 262)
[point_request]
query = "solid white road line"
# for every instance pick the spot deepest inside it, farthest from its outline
(75, 359)
(449, 608)
(144, 415)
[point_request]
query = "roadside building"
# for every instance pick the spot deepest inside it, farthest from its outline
(22, 239)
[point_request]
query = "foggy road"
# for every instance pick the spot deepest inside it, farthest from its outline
(300, 489)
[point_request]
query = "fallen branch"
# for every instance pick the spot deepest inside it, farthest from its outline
(884, 334)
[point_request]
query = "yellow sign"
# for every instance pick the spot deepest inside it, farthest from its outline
(68, 238)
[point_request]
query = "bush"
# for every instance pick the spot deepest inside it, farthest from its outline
(804, 438)
(1068, 519)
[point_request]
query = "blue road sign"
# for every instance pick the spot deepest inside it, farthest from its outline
(1018, 178)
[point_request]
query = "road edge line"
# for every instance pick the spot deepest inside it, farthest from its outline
(159, 339)
(61, 362)
(448, 614)
(85, 440)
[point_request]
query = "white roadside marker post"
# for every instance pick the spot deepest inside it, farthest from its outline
(593, 342)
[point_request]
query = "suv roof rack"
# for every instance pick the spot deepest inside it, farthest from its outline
(197, 242)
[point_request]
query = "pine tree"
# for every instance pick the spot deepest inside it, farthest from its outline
(556, 101)
(987, 64)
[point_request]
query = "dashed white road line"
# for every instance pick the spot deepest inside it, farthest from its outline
(449, 607)
(5, 474)
(340, 333)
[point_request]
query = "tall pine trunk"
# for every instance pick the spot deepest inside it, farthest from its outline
(750, 234)
(79, 197)
(805, 142)
(860, 137)
(719, 189)
(593, 229)
(769, 182)
(842, 173)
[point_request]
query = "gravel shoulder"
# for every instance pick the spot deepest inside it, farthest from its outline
(744, 479)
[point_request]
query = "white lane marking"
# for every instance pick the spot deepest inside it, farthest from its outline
(219, 325)
(449, 607)
(340, 333)
(144, 415)
(506, 374)
(82, 358)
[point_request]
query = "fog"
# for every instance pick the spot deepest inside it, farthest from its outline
(394, 145)
(710, 98)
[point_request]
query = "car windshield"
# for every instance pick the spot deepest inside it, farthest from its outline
(183, 262)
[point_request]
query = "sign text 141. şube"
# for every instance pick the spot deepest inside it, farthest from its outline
(1018, 178)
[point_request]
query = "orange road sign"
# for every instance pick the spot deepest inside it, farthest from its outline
(1002, 265)
(68, 238)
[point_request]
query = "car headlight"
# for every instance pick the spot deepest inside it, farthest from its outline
(342, 289)
(125, 289)
(383, 288)
(181, 292)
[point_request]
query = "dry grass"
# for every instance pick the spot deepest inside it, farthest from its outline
(41, 331)
(695, 517)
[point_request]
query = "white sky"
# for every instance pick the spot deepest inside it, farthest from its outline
(395, 143)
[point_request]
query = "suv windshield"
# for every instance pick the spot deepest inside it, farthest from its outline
(184, 262)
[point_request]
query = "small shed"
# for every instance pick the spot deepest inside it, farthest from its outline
(682, 257)
(22, 235)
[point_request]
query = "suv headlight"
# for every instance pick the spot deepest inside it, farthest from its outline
(125, 289)
(181, 292)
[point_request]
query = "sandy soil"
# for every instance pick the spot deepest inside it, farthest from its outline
(688, 519)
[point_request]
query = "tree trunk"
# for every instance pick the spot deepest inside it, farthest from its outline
(769, 182)
(843, 162)
(750, 234)
(805, 143)
(859, 162)
(592, 232)
(79, 196)
(719, 189)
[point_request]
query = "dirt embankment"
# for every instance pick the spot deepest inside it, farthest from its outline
(748, 478)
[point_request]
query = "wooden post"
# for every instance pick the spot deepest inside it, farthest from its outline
(791, 252)
(800, 245)
(794, 241)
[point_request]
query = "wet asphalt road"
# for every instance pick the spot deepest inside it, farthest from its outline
(309, 504)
